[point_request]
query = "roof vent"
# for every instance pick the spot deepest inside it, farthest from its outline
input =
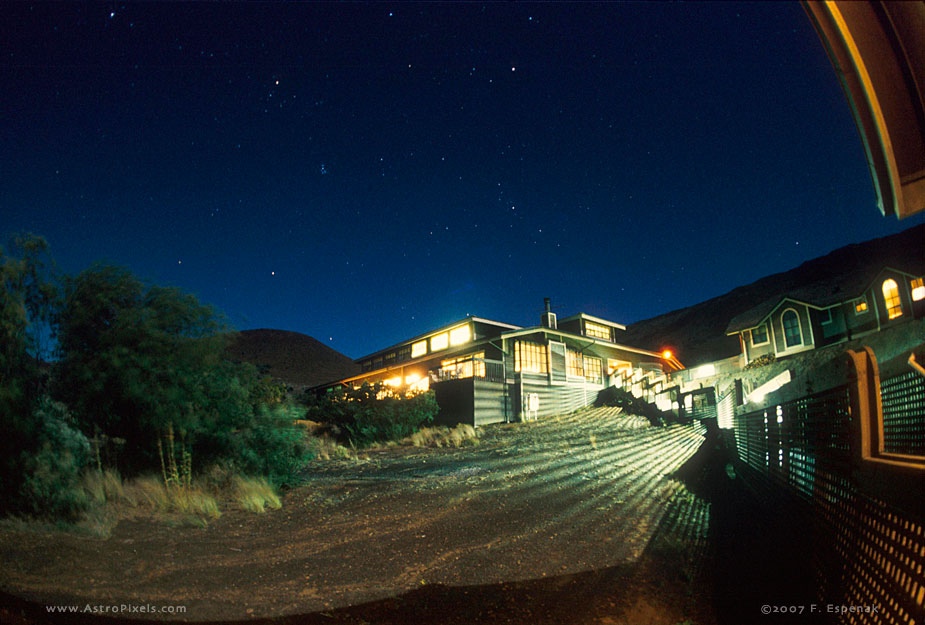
(548, 319)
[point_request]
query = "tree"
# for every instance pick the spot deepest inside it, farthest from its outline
(137, 361)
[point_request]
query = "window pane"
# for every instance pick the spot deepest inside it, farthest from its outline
(597, 331)
(593, 369)
(891, 296)
(441, 341)
(792, 329)
(529, 357)
(459, 335)
(760, 334)
(419, 349)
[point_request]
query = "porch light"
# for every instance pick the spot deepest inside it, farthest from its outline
(666, 354)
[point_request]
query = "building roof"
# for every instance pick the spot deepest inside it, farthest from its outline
(448, 326)
(820, 294)
(612, 324)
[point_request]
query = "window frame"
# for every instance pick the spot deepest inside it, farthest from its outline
(767, 335)
(829, 319)
(917, 288)
(600, 330)
(892, 300)
(598, 368)
(532, 353)
(799, 328)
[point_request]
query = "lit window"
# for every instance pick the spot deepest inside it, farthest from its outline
(918, 289)
(891, 297)
(466, 367)
(573, 364)
(860, 306)
(418, 349)
(760, 335)
(597, 331)
(619, 366)
(439, 342)
(394, 381)
(460, 335)
(529, 357)
(792, 336)
(593, 369)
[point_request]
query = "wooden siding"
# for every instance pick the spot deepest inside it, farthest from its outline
(491, 403)
(562, 399)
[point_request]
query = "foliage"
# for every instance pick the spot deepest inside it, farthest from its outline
(137, 359)
(28, 294)
(272, 444)
(373, 413)
(51, 474)
(761, 361)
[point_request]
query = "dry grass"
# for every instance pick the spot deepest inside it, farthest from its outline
(103, 487)
(255, 494)
(327, 448)
(441, 436)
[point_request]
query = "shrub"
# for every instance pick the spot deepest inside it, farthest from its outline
(50, 486)
(761, 361)
(373, 413)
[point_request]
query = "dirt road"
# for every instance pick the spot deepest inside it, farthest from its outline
(571, 519)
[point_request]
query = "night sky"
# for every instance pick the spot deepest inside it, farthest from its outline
(366, 172)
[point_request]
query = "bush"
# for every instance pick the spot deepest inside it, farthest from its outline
(761, 361)
(51, 475)
(373, 413)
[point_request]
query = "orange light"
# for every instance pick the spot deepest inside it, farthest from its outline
(666, 354)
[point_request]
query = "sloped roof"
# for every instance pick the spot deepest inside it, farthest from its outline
(821, 293)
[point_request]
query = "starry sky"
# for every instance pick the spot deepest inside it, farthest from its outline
(363, 173)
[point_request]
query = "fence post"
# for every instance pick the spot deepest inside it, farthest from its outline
(865, 403)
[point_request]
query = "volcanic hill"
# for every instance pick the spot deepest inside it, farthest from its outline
(296, 359)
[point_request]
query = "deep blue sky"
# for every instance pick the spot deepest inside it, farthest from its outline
(363, 173)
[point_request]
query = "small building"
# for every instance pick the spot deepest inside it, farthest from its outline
(484, 371)
(830, 312)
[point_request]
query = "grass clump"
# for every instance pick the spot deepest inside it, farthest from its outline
(255, 494)
(442, 436)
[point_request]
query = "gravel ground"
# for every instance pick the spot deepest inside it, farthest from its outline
(567, 520)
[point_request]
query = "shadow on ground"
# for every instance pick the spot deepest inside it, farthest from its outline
(718, 554)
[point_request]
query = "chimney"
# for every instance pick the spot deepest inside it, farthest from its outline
(548, 319)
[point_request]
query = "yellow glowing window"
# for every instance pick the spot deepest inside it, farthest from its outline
(418, 349)
(918, 289)
(860, 306)
(891, 297)
(466, 367)
(597, 331)
(529, 357)
(460, 335)
(573, 364)
(593, 369)
(441, 341)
